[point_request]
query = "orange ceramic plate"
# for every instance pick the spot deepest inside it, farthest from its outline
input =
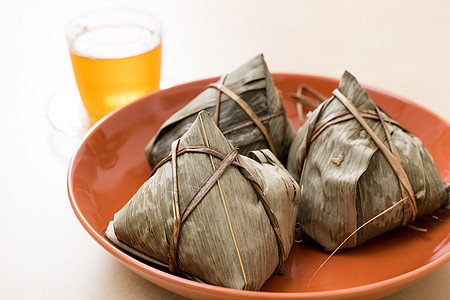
(110, 166)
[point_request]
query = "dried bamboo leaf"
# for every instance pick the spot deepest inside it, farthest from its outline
(346, 180)
(229, 238)
(447, 188)
(253, 83)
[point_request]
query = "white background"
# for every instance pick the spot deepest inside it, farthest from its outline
(399, 46)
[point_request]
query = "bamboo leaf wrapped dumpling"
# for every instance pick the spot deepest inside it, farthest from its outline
(246, 107)
(352, 162)
(211, 213)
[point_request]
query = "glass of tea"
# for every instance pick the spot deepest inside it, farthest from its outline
(116, 58)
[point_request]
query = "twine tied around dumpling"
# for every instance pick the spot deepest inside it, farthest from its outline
(221, 88)
(179, 217)
(410, 210)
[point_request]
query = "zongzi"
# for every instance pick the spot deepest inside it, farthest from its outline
(353, 162)
(246, 107)
(210, 213)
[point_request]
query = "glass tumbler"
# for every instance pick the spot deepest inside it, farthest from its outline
(116, 58)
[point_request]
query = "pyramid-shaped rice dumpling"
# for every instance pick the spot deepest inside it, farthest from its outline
(353, 162)
(210, 213)
(246, 107)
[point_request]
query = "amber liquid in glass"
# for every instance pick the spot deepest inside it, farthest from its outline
(108, 83)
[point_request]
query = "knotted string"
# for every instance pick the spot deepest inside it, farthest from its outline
(221, 88)
(316, 127)
(179, 218)
(392, 155)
